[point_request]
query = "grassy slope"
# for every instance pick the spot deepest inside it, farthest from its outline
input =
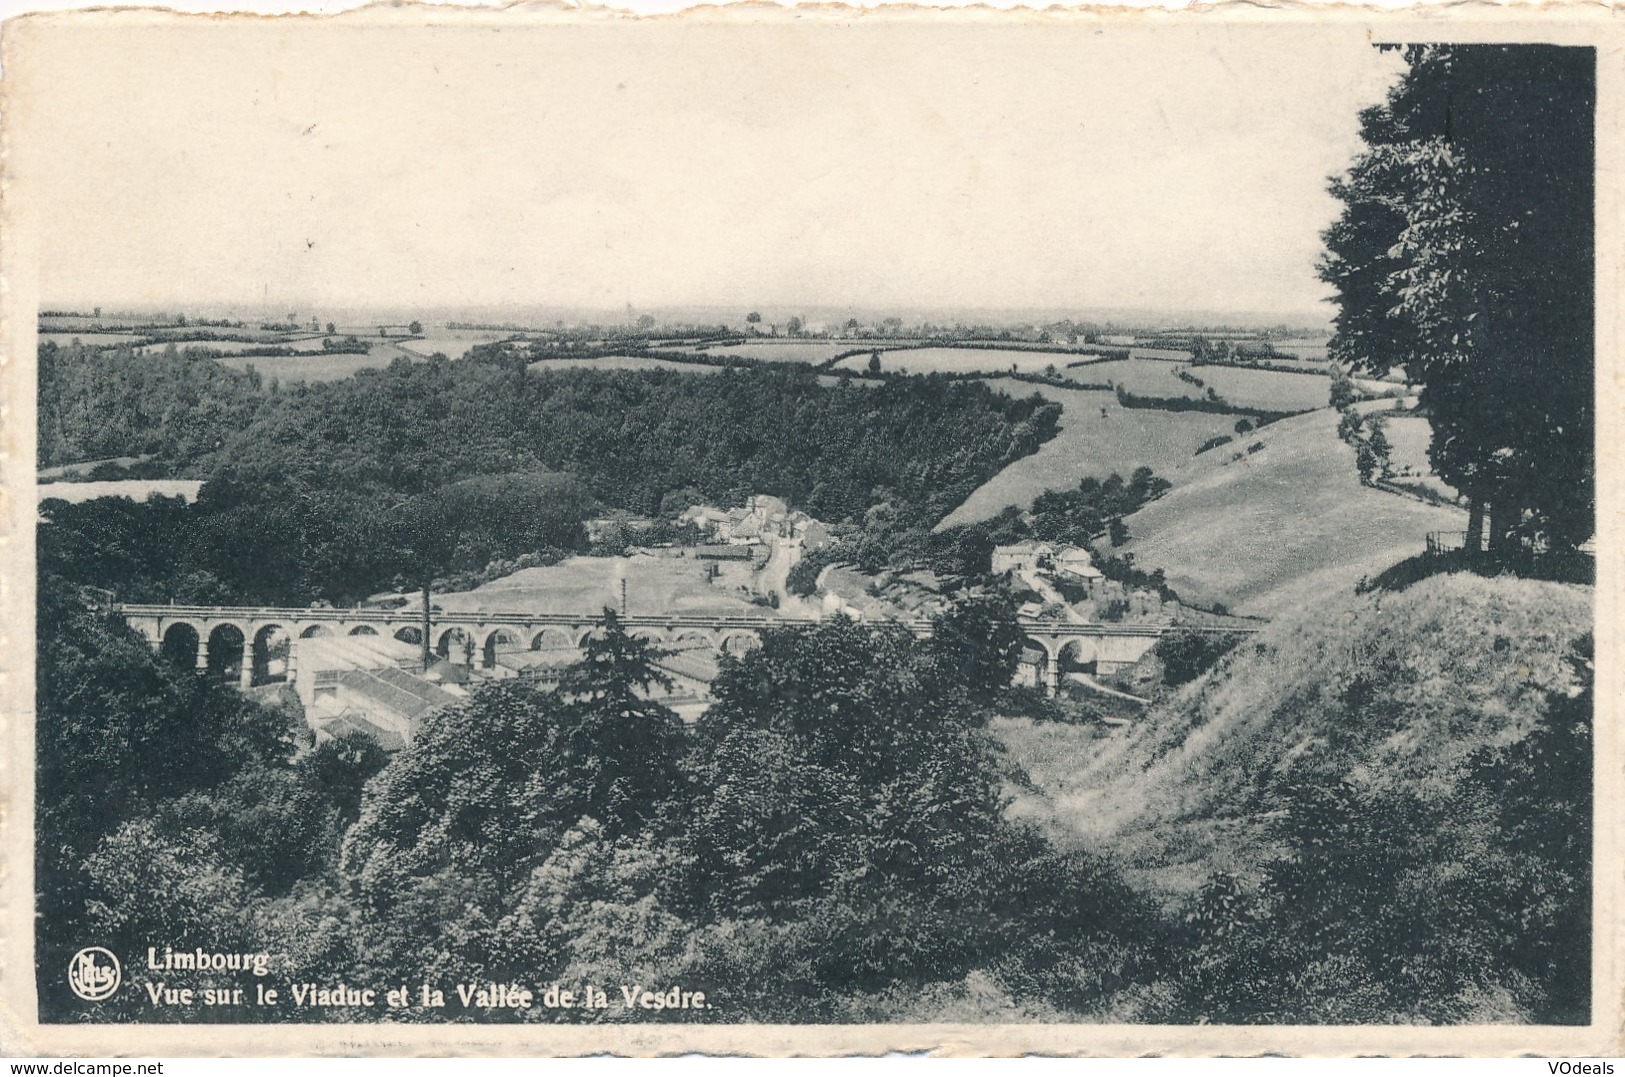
(1282, 527)
(1090, 443)
(654, 585)
(1387, 688)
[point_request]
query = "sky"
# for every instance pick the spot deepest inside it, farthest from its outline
(1065, 165)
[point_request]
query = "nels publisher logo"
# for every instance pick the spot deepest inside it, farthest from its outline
(94, 974)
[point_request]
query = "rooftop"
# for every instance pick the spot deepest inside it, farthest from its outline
(397, 691)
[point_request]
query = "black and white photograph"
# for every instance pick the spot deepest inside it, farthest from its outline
(611, 530)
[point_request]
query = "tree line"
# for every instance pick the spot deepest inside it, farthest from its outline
(336, 490)
(829, 843)
(1464, 254)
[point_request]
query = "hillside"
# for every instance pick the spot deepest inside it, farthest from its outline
(1281, 527)
(1388, 694)
(654, 585)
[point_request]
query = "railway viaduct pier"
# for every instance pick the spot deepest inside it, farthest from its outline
(241, 642)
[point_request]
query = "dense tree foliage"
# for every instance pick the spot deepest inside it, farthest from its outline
(336, 490)
(1186, 655)
(170, 810)
(1082, 516)
(831, 841)
(1408, 904)
(1464, 254)
(631, 437)
(273, 541)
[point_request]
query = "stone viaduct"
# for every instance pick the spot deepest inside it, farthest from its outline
(241, 643)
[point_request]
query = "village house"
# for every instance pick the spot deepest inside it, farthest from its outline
(541, 666)
(1074, 562)
(706, 518)
(691, 668)
(1021, 557)
(365, 684)
(761, 519)
(1030, 666)
(389, 705)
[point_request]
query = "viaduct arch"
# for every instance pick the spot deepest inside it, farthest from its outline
(241, 643)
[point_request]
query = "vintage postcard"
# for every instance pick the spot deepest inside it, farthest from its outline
(812, 532)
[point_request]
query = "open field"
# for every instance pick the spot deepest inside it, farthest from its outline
(88, 322)
(64, 339)
(775, 351)
(313, 368)
(1146, 377)
(962, 361)
(622, 362)
(1279, 527)
(1313, 349)
(303, 345)
(1090, 443)
(1408, 437)
(450, 347)
(453, 343)
(654, 585)
(134, 489)
(1272, 390)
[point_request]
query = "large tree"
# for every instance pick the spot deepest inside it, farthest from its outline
(1464, 254)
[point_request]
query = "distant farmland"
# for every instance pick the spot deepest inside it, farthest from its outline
(454, 343)
(1146, 377)
(1310, 349)
(622, 362)
(314, 368)
(962, 361)
(1090, 443)
(63, 339)
(305, 345)
(788, 351)
(1271, 390)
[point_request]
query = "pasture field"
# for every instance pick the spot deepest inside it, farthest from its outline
(1311, 349)
(1271, 390)
(64, 339)
(453, 343)
(450, 347)
(963, 361)
(228, 347)
(777, 351)
(85, 324)
(1146, 377)
(1408, 437)
(134, 489)
(251, 332)
(314, 368)
(1164, 355)
(654, 585)
(303, 345)
(622, 362)
(1273, 531)
(1090, 443)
